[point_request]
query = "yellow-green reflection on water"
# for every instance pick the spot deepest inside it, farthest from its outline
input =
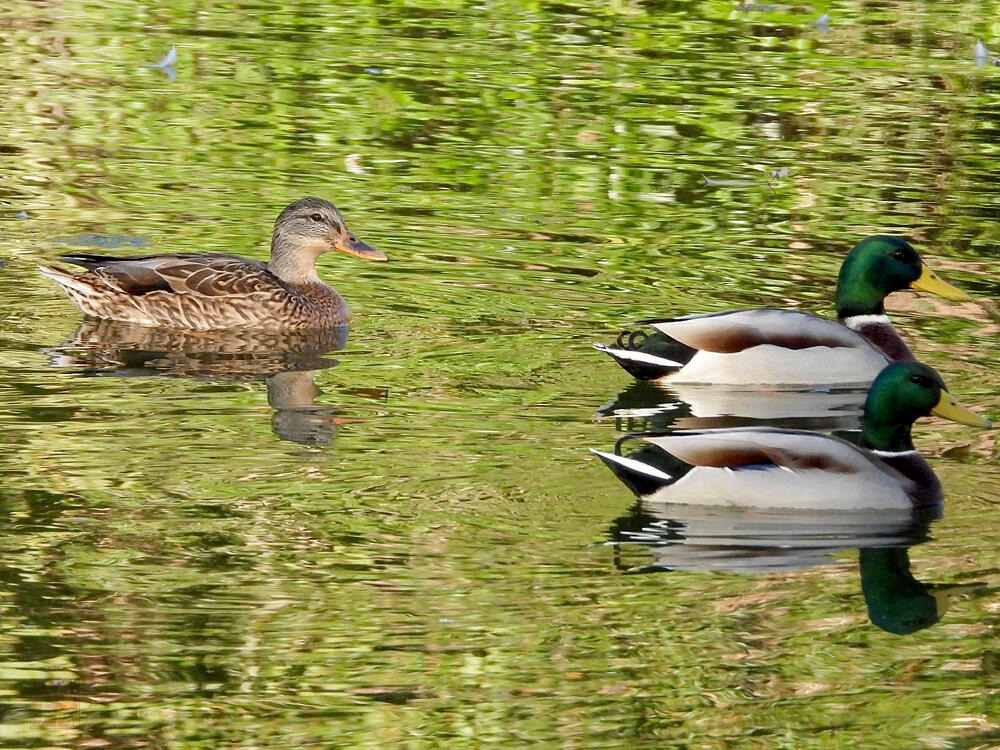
(178, 573)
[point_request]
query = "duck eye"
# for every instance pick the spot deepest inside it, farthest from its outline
(316, 217)
(899, 255)
(919, 380)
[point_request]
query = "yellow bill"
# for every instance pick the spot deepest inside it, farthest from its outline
(948, 408)
(945, 595)
(931, 282)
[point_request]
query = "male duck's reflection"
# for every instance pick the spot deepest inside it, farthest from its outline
(827, 494)
(287, 361)
(662, 537)
(648, 407)
(897, 602)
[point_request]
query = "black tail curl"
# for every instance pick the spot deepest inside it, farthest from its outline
(627, 340)
(656, 345)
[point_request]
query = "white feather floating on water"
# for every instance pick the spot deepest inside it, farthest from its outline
(166, 64)
(980, 54)
(822, 23)
(167, 61)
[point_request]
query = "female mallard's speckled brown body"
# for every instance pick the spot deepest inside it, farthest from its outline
(213, 291)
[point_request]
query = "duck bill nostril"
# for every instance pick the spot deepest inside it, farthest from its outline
(353, 246)
(948, 407)
(931, 282)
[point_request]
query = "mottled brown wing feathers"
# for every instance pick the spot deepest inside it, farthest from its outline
(205, 275)
(218, 277)
(135, 281)
(197, 291)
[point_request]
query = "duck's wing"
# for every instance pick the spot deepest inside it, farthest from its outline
(736, 330)
(793, 450)
(766, 468)
(205, 274)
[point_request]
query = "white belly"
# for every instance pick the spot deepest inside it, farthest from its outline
(775, 488)
(768, 364)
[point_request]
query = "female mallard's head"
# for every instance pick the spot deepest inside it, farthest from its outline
(306, 229)
(879, 266)
(902, 393)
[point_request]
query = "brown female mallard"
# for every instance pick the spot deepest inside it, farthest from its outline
(213, 291)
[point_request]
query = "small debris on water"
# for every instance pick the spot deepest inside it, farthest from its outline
(982, 55)
(166, 64)
(167, 60)
(822, 23)
(352, 163)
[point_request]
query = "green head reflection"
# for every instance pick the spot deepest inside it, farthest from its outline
(897, 602)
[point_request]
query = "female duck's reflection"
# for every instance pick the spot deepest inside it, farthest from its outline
(287, 362)
(828, 494)
(297, 417)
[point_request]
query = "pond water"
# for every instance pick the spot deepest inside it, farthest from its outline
(404, 542)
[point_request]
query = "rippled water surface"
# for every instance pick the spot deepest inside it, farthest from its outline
(401, 543)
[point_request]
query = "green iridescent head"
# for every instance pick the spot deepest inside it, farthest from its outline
(879, 266)
(902, 393)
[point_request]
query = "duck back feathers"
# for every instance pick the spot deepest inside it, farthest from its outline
(216, 291)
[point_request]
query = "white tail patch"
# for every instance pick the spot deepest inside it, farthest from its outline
(633, 356)
(637, 466)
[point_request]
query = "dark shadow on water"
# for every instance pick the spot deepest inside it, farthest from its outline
(287, 362)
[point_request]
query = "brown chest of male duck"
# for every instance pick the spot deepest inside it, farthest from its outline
(215, 291)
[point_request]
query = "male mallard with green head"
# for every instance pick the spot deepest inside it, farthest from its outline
(784, 347)
(214, 291)
(775, 468)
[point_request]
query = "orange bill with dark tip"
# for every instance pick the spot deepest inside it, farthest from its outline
(348, 243)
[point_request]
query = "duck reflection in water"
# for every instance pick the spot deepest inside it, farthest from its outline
(898, 602)
(656, 537)
(297, 417)
(287, 361)
(646, 406)
(771, 498)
